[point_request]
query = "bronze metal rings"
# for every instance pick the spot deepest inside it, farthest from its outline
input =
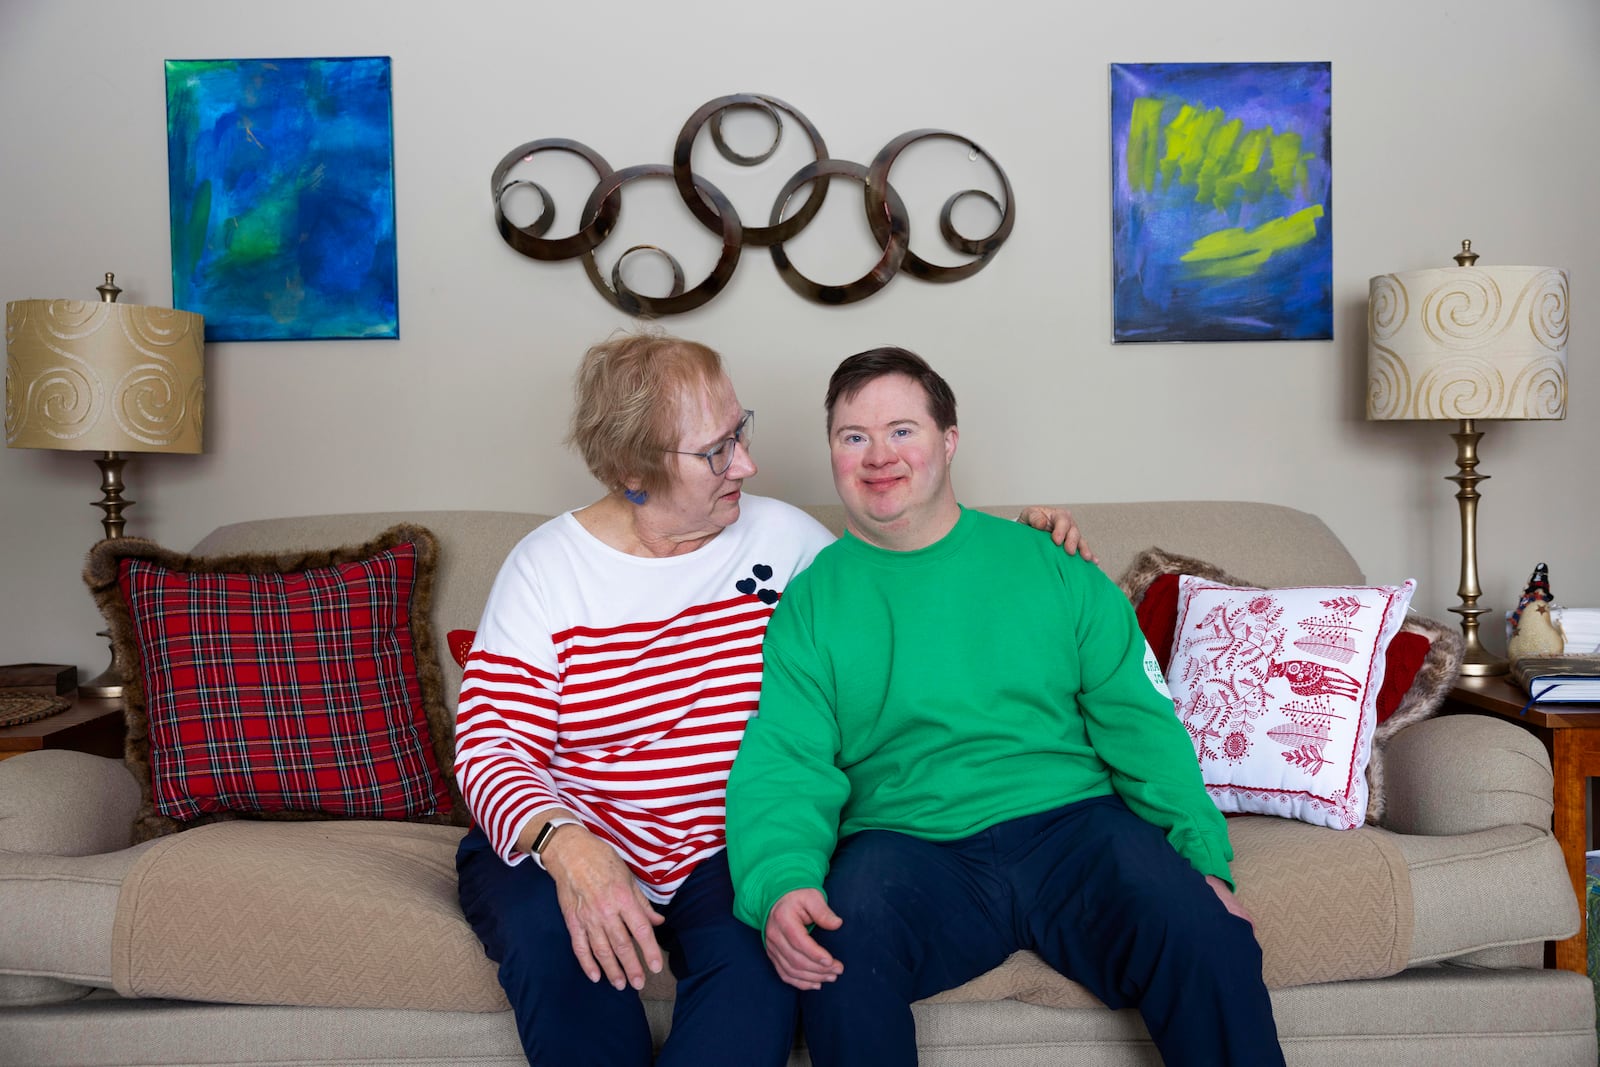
(887, 217)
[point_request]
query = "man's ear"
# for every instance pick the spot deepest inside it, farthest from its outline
(951, 437)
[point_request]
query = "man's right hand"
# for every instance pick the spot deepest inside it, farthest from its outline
(605, 911)
(799, 960)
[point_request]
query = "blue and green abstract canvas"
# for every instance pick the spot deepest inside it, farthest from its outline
(281, 181)
(1222, 201)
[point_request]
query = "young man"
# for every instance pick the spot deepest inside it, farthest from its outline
(966, 743)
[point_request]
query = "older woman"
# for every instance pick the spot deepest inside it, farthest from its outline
(617, 661)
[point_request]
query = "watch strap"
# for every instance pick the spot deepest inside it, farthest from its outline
(542, 838)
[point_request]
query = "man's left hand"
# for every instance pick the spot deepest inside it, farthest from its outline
(795, 955)
(1229, 901)
(1061, 527)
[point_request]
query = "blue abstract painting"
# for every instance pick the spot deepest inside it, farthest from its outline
(1222, 201)
(281, 182)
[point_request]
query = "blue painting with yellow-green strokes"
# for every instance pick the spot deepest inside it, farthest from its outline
(1222, 201)
(281, 182)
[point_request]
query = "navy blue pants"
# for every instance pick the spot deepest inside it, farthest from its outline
(731, 1006)
(1095, 890)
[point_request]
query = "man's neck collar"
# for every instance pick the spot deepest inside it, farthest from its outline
(905, 535)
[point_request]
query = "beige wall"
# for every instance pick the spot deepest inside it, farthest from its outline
(1472, 118)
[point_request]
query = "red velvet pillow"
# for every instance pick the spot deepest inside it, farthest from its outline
(1158, 618)
(1401, 664)
(278, 686)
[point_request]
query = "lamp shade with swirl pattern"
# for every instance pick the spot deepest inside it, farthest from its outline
(100, 376)
(1463, 344)
(1468, 343)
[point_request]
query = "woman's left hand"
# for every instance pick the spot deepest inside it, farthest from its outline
(607, 916)
(1061, 527)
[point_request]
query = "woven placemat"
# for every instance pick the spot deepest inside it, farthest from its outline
(16, 709)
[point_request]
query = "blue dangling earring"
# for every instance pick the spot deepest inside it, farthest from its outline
(636, 496)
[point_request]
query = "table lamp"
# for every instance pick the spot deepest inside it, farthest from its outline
(1461, 345)
(108, 378)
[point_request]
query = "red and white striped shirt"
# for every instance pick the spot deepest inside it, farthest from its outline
(618, 686)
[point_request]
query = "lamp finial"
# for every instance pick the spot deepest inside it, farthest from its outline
(1466, 257)
(109, 291)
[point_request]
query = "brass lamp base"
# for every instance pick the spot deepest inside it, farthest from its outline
(109, 682)
(106, 684)
(1484, 670)
(1477, 661)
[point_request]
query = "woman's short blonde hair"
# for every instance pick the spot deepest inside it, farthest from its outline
(631, 392)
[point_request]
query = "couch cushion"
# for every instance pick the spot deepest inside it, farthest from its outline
(365, 914)
(279, 685)
(358, 914)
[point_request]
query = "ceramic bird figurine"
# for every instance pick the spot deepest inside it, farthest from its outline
(1538, 633)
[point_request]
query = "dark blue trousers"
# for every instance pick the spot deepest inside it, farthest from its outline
(1095, 890)
(731, 1006)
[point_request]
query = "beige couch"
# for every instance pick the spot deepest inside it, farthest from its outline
(1418, 942)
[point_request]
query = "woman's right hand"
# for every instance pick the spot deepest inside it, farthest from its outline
(609, 917)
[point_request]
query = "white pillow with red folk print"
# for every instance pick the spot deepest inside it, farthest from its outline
(1278, 689)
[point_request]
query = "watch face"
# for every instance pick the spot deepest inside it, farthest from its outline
(543, 837)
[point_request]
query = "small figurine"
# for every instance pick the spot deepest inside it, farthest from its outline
(1538, 634)
(1534, 631)
(1537, 589)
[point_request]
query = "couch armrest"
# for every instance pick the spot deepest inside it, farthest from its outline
(1458, 774)
(64, 803)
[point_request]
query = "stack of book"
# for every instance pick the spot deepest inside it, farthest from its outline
(1581, 628)
(1559, 679)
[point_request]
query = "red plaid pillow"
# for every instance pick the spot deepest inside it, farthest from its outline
(278, 685)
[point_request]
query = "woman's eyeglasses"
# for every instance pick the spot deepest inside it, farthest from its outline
(721, 457)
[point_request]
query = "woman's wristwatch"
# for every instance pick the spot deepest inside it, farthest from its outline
(542, 838)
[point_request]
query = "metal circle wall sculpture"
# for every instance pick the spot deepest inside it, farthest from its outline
(530, 240)
(894, 237)
(886, 214)
(880, 219)
(633, 303)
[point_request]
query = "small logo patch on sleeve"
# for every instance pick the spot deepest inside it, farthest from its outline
(1152, 668)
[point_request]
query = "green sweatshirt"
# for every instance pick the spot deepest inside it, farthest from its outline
(943, 691)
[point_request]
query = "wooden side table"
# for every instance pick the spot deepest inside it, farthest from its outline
(92, 724)
(1571, 734)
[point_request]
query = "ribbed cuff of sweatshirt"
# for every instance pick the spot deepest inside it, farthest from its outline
(1208, 857)
(756, 894)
